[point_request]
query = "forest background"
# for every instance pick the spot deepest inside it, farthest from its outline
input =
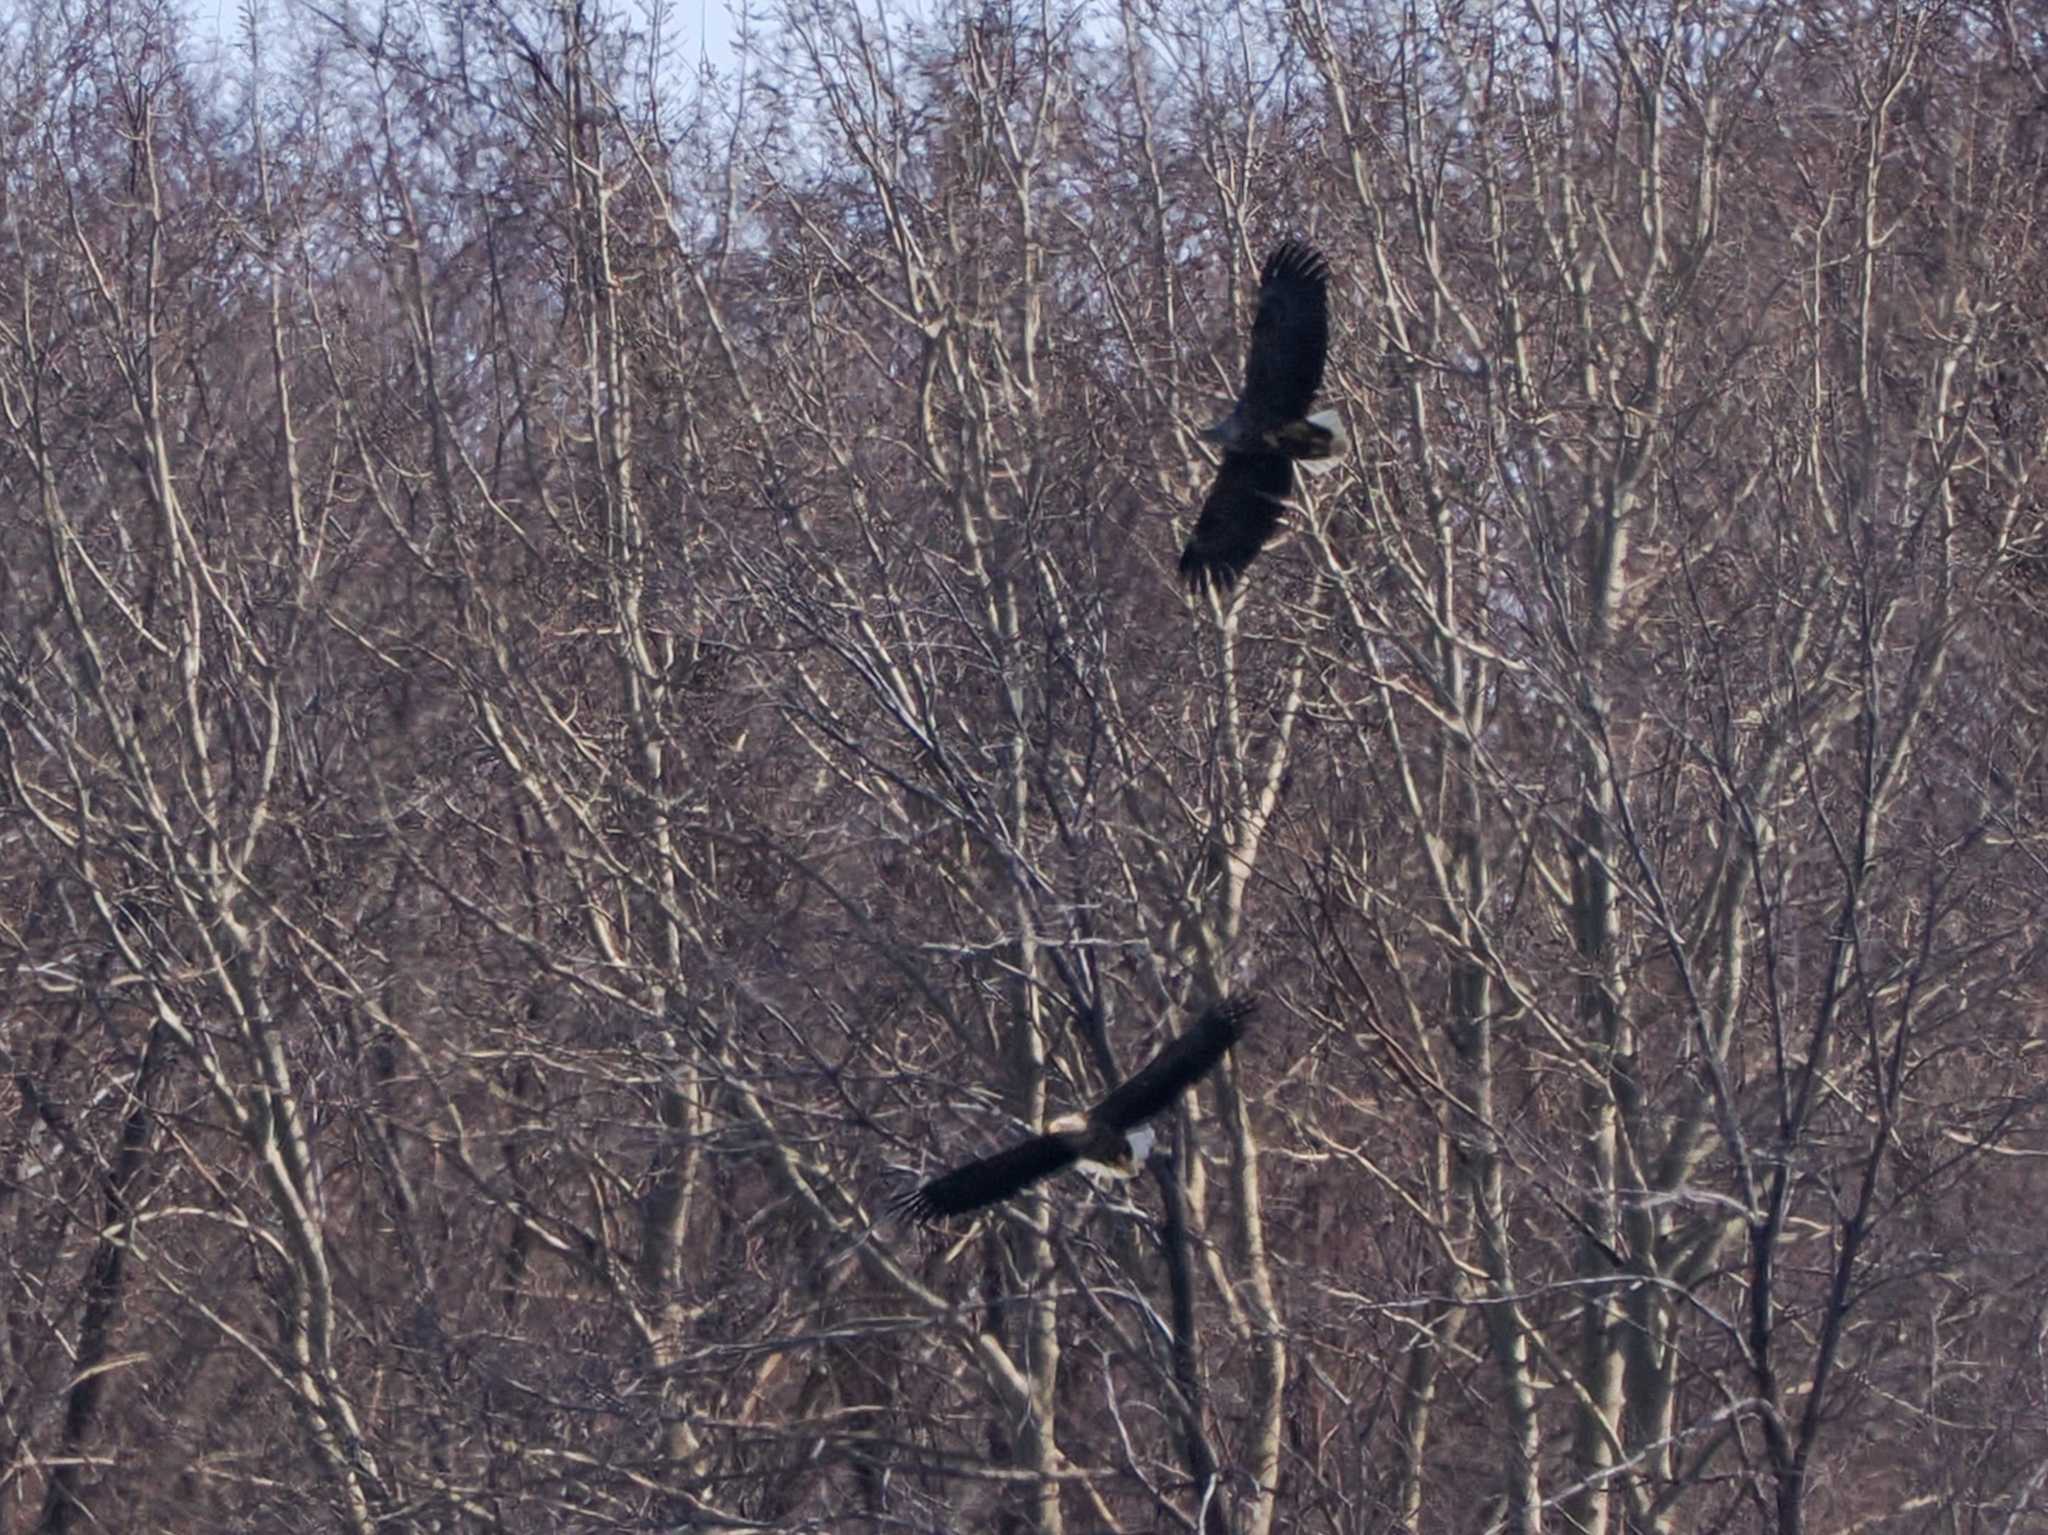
(592, 681)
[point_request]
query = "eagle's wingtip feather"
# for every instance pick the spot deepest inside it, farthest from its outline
(1296, 258)
(1233, 1015)
(1203, 575)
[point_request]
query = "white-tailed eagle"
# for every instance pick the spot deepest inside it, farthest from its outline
(1103, 1136)
(1269, 430)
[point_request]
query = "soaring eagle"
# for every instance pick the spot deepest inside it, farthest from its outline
(1270, 429)
(1104, 1135)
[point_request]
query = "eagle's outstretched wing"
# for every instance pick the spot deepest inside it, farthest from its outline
(1243, 509)
(1290, 335)
(991, 1179)
(1174, 1069)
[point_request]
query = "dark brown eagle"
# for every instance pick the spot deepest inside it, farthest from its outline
(1102, 1136)
(1269, 430)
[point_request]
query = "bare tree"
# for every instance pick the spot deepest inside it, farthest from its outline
(592, 681)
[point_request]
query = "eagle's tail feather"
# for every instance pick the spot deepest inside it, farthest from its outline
(1339, 444)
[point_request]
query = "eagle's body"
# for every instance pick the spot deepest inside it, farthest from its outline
(1107, 1136)
(1269, 430)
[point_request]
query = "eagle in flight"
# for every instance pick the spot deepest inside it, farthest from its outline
(1269, 429)
(1106, 1135)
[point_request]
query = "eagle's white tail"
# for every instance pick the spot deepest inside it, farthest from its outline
(1141, 1140)
(1340, 442)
